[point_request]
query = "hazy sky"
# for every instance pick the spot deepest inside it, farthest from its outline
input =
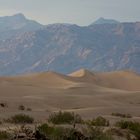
(82, 12)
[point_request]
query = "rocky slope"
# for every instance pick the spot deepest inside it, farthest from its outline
(65, 48)
(16, 24)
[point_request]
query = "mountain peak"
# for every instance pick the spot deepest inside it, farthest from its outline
(15, 17)
(19, 16)
(105, 21)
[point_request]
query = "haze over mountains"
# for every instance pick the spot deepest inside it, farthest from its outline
(106, 45)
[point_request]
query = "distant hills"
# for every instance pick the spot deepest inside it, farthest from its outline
(106, 21)
(18, 21)
(106, 45)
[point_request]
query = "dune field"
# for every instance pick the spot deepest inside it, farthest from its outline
(86, 93)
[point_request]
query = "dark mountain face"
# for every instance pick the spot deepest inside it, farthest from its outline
(65, 48)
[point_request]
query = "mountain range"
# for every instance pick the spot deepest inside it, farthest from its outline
(106, 45)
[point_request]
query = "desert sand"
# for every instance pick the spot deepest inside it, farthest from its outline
(86, 93)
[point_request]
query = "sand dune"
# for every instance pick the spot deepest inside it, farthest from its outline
(84, 92)
(45, 79)
(125, 80)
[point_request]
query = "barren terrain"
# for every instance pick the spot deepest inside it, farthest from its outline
(86, 93)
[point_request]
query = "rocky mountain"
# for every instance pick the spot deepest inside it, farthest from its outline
(65, 48)
(11, 25)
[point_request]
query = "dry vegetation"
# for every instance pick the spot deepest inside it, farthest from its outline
(70, 126)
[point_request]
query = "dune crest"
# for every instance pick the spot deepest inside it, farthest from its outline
(125, 80)
(81, 73)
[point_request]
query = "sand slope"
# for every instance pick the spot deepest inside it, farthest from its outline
(126, 80)
(87, 93)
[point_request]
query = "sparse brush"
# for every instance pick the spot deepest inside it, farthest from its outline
(64, 118)
(121, 115)
(21, 107)
(4, 135)
(29, 109)
(134, 127)
(99, 121)
(3, 105)
(21, 119)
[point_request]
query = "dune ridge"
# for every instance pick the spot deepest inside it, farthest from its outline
(124, 80)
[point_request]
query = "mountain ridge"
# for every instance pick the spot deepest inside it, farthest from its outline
(102, 20)
(65, 48)
(16, 24)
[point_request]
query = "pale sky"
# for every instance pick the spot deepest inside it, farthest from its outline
(82, 12)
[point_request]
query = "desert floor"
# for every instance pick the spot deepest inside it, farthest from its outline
(88, 94)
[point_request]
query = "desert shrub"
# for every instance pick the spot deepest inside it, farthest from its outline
(51, 132)
(60, 133)
(94, 134)
(45, 129)
(134, 127)
(29, 109)
(21, 119)
(121, 133)
(122, 115)
(4, 135)
(99, 121)
(21, 107)
(55, 133)
(3, 105)
(64, 118)
(97, 133)
(73, 134)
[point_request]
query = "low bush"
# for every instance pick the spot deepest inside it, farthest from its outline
(4, 135)
(99, 121)
(122, 115)
(29, 109)
(64, 118)
(21, 107)
(45, 129)
(134, 127)
(55, 133)
(60, 133)
(21, 119)
(96, 133)
(3, 105)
